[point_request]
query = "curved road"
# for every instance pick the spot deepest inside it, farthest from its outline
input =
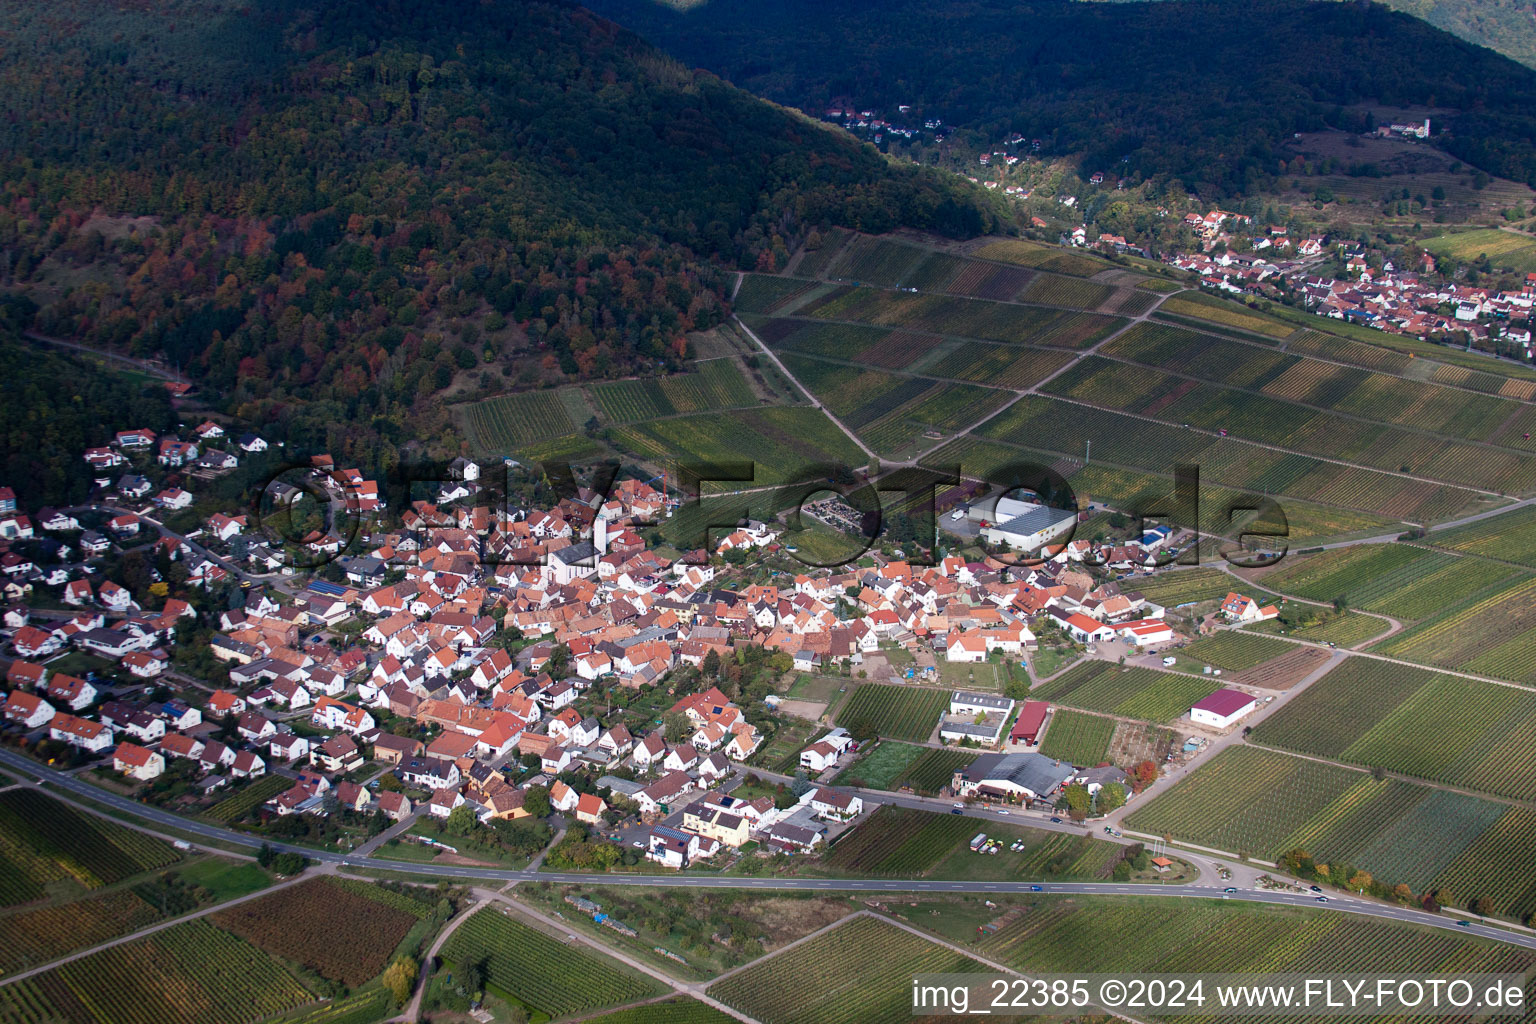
(1341, 904)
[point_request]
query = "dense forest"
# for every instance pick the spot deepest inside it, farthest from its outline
(1208, 91)
(53, 406)
(331, 213)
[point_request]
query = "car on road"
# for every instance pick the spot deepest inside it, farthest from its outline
(1055, 820)
(954, 810)
(1002, 810)
(957, 806)
(1322, 899)
(1036, 888)
(1317, 888)
(1464, 924)
(1230, 888)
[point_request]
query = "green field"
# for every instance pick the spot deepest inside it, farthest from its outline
(193, 973)
(1042, 257)
(1346, 630)
(1142, 693)
(1228, 314)
(543, 974)
(881, 767)
(1400, 580)
(894, 711)
(1078, 737)
(1440, 728)
(858, 973)
(1503, 248)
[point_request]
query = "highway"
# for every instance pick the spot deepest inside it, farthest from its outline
(1335, 903)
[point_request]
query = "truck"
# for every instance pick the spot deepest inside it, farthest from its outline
(978, 842)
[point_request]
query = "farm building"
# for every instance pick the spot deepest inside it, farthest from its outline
(1032, 530)
(962, 702)
(1031, 719)
(1023, 776)
(1223, 708)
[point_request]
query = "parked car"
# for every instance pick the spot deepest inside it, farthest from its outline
(1317, 888)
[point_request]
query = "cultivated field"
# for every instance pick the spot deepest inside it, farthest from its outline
(716, 384)
(542, 973)
(1510, 537)
(342, 932)
(238, 805)
(44, 841)
(1078, 737)
(193, 973)
(813, 983)
(1265, 803)
(1503, 248)
(1493, 635)
(934, 770)
(1042, 257)
(760, 293)
(894, 711)
(898, 842)
(1148, 934)
(506, 422)
(1377, 714)
(1185, 586)
(1236, 651)
(962, 317)
(780, 442)
(1142, 693)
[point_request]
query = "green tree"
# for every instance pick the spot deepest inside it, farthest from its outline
(536, 801)
(399, 979)
(461, 821)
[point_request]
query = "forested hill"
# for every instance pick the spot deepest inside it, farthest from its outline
(344, 207)
(1208, 90)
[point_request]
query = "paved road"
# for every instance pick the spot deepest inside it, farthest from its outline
(1338, 904)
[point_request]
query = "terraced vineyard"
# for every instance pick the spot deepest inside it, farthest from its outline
(760, 293)
(1227, 314)
(989, 281)
(778, 441)
(1078, 737)
(812, 983)
(542, 973)
(1042, 257)
(1377, 714)
(1246, 800)
(506, 422)
(716, 384)
(190, 974)
(1235, 651)
(1142, 693)
(894, 711)
(899, 842)
(997, 364)
(1510, 537)
(1147, 934)
(43, 841)
(673, 1011)
(1054, 425)
(962, 317)
(1492, 635)
(815, 262)
(876, 261)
